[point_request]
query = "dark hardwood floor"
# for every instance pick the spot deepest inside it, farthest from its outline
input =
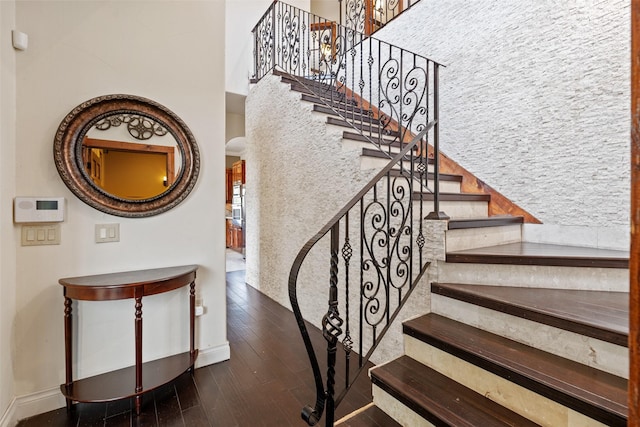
(266, 382)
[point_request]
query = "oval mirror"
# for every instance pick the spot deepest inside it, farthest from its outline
(126, 155)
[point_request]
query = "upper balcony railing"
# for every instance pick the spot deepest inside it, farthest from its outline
(368, 16)
(387, 93)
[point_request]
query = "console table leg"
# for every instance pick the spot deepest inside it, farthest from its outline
(138, 336)
(192, 319)
(68, 325)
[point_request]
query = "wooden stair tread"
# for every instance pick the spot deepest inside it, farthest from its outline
(587, 390)
(361, 138)
(319, 92)
(349, 114)
(443, 176)
(375, 152)
(455, 197)
(492, 221)
(525, 253)
(597, 314)
(373, 127)
(324, 101)
(370, 416)
(439, 399)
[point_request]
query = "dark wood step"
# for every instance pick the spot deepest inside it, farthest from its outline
(592, 392)
(327, 93)
(375, 129)
(289, 78)
(440, 400)
(369, 416)
(351, 116)
(455, 197)
(374, 152)
(525, 253)
(385, 143)
(492, 221)
(443, 176)
(354, 136)
(597, 314)
(335, 102)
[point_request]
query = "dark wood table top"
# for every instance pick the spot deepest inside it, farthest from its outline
(128, 284)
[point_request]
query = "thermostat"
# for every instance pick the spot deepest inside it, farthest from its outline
(38, 209)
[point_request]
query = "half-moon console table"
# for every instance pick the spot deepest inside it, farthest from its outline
(134, 381)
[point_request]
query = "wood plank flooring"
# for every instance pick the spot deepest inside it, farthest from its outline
(266, 382)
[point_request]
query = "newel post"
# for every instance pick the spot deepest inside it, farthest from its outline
(273, 34)
(436, 213)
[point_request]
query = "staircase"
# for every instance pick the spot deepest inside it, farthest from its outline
(519, 334)
(515, 333)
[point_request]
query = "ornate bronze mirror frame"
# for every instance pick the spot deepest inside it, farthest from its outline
(143, 119)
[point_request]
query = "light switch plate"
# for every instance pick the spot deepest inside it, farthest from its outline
(40, 234)
(105, 233)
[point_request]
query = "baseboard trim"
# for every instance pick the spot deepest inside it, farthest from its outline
(36, 403)
(8, 418)
(213, 355)
(26, 406)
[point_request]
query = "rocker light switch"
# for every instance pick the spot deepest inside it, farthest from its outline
(41, 234)
(107, 233)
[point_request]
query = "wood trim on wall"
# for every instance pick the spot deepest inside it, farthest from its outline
(634, 256)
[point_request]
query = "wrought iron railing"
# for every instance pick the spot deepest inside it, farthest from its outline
(380, 236)
(390, 97)
(386, 93)
(368, 16)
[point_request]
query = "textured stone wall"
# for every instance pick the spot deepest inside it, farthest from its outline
(298, 177)
(534, 99)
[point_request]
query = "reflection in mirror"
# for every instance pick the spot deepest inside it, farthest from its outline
(126, 155)
(128, 170)
(118, 162)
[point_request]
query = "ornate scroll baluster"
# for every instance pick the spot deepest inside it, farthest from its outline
(386, 257)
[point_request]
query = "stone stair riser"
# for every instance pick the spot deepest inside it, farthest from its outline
(445, 186)
(592, 352)
(471, 238)
(536, 276)
(397, 410)
(367, 162)
(531, 405)
(350, 144)
(464, 209)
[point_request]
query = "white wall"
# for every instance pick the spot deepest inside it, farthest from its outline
(7, 190)
(534, 100)
(172, 53)
(241, 17)
(234, 126)
(328, 9)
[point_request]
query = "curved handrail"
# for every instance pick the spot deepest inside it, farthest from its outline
(313, 414)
